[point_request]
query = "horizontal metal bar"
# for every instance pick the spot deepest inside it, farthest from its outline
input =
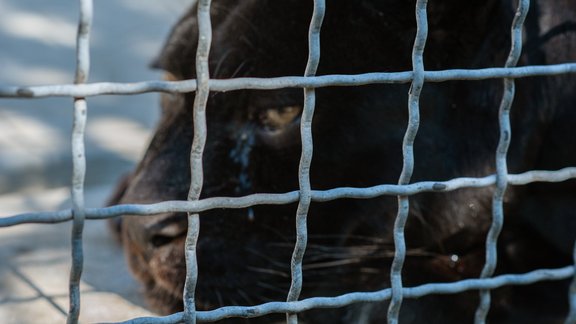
(357, 297)
(110, 88)
(290, 197)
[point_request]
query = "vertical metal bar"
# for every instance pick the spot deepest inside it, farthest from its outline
(197, 151)
(501, 165)
(79, 158)
(408, 159)
(306, 157)
(571, 319)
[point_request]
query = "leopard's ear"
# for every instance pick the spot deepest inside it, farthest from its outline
(115, 224)
(178, 54)
(180, 45)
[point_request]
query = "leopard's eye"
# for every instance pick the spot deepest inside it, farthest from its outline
(276, 119)
(279, 126)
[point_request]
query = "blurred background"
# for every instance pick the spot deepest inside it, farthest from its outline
(37, 47)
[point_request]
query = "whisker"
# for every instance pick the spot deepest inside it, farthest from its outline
(331, 264)
(271, 287)
(222, 59)
(219, 297)
(267, 258)
(366, 270)
(245, 296)
(279, 234)
(369, 239)
(269, 271)
(238, 69)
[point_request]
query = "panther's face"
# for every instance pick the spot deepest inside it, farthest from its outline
(254, 146)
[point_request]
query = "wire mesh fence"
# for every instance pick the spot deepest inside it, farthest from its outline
(203, 85)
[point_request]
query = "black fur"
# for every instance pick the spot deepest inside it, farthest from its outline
(254, 146)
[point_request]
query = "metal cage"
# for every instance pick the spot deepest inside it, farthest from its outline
(305, 195)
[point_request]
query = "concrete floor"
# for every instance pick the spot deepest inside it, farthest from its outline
(37, 40)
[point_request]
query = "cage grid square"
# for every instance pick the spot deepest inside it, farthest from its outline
(203, 85)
